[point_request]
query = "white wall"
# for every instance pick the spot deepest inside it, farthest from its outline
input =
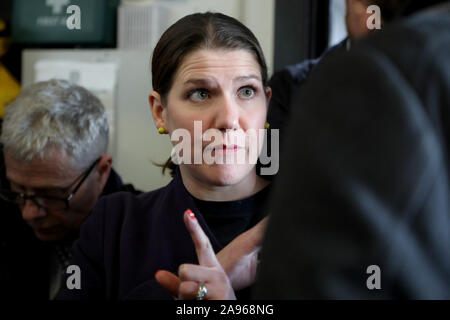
(338, 29)
(257, 15)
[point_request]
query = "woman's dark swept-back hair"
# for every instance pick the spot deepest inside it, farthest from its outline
(199, 31)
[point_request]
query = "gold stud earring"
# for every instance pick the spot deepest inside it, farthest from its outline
(161, 130)
(266, 125)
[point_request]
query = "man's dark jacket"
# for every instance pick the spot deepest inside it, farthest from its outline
(366, 177)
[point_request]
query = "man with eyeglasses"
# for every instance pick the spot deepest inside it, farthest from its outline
(55, 139)
(45, 201)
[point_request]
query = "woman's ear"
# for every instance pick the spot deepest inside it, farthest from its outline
(268, 94)
(157, 109)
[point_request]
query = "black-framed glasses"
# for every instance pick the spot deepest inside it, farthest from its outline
(43, 201)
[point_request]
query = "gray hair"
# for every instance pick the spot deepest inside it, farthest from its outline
(59, 114)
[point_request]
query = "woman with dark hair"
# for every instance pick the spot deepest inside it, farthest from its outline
(207, 68)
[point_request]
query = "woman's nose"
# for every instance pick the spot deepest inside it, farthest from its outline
(228, 114)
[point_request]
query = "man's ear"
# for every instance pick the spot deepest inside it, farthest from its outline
(157, 109)
(356, 18)
(103, 168)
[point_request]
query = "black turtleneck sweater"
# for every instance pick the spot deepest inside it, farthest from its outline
(228, 219)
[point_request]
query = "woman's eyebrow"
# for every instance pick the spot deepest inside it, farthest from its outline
(200, 82)
(249, 77)
(210, 83)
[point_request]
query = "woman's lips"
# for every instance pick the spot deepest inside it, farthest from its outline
(229, 148)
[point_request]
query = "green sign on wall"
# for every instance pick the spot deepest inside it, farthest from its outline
(46, 21)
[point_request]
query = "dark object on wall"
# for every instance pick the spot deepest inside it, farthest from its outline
(301, 30)
(5, 9)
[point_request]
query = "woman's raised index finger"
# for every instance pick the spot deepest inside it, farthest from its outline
(205, 253)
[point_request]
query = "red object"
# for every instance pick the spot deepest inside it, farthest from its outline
(190, 213)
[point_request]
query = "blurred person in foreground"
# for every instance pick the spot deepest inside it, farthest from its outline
(368, 180)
